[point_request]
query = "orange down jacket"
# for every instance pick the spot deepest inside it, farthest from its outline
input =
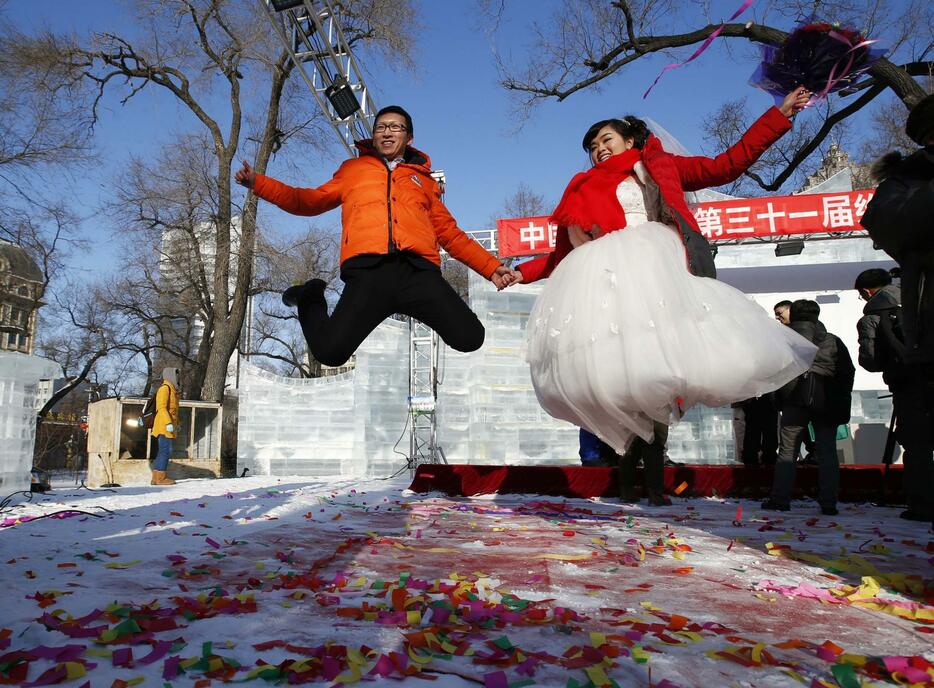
(383, 211)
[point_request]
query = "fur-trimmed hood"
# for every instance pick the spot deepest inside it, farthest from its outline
(885, 165)
(917, 164)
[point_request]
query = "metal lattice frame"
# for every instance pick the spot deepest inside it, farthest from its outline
(423, 394)
(312, 35)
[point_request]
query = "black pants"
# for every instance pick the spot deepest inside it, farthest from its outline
(395, 283)
(791, 435)
(761, 433)
(653, 464)
(914, 409)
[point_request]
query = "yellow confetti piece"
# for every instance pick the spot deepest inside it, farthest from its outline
(795, 675)
(765, 598)
(135, 681)
(419, 658)
(122, 565)
(597, 675)
(649, 606)
(98, 652)
(74, 670)
(639, 654)
(690, 635)
(855, 660)
(678, 555)
(564, 557)
(597, 639)
(260, 565)
(757, 652)
(287, 605)
(413, 618)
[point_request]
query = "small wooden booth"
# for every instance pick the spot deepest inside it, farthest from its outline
(119, 449)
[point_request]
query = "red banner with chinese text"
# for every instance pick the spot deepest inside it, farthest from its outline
(769, 216)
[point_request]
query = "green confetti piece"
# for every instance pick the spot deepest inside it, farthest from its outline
(169, 573)
(206, 649)
(128, 626)
(404, 578)
(503, 643)
(845, 675)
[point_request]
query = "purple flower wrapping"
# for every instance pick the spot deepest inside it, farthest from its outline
(822, 57)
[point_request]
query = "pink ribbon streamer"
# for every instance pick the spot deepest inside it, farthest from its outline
(706, 44)
(832, 78)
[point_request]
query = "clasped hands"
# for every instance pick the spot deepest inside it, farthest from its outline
(505, 277)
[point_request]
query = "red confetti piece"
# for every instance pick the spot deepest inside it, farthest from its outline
(568, 533)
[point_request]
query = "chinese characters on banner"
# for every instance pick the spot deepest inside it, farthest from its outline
(774, 216)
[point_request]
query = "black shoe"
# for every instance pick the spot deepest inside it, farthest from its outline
(914, 515)
(771, 505)
(829, 510)
(629, 496)
(312, 287)
(658, 499)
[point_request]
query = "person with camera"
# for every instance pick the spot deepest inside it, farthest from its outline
(820, 397)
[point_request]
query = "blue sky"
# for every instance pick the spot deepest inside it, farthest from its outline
(463, 118)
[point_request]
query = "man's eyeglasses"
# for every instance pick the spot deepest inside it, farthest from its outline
(391, 126)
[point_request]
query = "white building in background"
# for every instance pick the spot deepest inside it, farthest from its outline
(181, 256)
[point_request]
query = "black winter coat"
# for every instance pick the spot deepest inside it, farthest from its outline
(881, 345)
(900, 220)
(835, 372)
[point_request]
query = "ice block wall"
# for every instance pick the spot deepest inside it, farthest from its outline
(19, 379)
(487, 410)
(342, 425)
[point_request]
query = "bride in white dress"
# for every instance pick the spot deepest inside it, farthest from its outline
(627, 334)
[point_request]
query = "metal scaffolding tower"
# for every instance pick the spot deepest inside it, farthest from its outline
(311, 32)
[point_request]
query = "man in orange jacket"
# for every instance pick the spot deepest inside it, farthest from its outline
(393, 222)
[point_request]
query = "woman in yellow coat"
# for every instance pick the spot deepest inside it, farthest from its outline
(165, 424)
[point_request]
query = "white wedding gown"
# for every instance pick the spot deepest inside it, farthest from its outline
(623, 335)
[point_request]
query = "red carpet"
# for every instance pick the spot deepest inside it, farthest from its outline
(858, 483)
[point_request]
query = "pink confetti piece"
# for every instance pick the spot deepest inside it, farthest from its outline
(213, 543)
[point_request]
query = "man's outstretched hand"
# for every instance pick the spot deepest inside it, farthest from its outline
(504, 276)
(245, 175)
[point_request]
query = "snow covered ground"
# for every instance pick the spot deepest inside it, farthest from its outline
(270, 580)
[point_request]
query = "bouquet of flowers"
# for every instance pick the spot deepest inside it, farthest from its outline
(821, 56)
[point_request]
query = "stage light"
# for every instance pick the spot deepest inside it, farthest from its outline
(280, 5)
(342, 98)
(788, 248)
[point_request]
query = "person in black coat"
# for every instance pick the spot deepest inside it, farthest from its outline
(900, 220)
(882, 349)
(821, 397)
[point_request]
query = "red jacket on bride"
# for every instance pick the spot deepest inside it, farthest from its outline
(676, 174)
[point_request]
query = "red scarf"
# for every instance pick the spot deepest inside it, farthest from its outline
(590, 198)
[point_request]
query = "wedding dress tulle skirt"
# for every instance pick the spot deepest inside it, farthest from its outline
(623, 335)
